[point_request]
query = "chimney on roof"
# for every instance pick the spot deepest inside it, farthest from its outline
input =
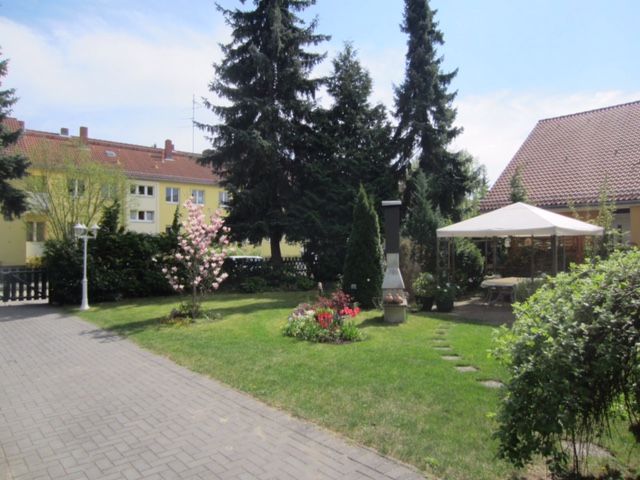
(84, 134)
(168, 150)
(64, 132)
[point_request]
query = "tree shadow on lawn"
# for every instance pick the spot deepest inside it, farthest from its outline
(121, 330)
(116, 333)
(377, 322)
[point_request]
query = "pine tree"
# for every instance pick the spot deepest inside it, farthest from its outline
(518, 190)
(13, 201)
(352, 147)
(421, 224)
(425, 114)
(363, 263)
(260, 144)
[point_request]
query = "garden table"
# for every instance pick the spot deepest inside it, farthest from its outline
(500, 286)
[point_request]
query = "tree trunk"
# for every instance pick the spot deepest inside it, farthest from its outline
(276, 254)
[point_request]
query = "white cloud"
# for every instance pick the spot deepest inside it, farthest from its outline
(87, 67)
(135, 85)
(496, 124)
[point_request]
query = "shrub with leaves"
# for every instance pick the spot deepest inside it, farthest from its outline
(325, 321)
(574, 358)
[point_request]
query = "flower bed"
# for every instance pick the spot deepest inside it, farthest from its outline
(326, 320)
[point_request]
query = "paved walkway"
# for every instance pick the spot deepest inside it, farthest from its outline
(80, 403)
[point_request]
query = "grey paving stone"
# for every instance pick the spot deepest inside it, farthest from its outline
(81, 403)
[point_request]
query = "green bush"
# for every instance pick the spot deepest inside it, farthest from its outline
(304, 283)
(425, 289)
(253, 285)
(574, 359)
(527, 288)
(119, 264)
(242, 271)
(445, 296)
(469, 268)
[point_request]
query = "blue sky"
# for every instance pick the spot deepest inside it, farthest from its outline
(128, 70)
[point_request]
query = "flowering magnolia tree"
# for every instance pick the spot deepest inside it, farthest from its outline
(196, 266)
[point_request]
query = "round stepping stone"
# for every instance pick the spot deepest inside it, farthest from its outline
(451, 358)
(466, 368)
(443, 348)
(491, 383)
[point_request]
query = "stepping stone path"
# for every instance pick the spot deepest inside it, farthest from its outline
(451, 358)
(492, 383)
(466, 368)
(439, 344)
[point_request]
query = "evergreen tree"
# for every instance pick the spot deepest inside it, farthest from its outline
(352, 147)
(518, 190)
(425, 114)
(260, 144)
(421, 224)
(13, 201)
(363, 263)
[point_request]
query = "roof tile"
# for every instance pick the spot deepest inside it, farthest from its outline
(567, 159)
(137, 161)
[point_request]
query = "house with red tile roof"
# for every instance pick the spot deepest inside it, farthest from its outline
(160, 180)
(568, 160)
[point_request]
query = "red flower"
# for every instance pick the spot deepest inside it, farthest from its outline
(352, 312)
(324, 319)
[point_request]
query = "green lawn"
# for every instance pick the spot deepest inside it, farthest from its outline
(392, 392)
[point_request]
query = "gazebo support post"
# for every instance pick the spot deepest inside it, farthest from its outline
(437, 257)
(533, 260)
(495, 255)
(453, 260)
(486, 254)
(554, 250)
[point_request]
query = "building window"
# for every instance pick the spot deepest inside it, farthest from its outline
(223, 198)
(141, 190)
(109, 192)
(172, 195)
(75, 187)
(141, 215)
(198, 196)
(35, 231)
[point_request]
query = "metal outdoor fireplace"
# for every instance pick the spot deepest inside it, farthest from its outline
(394, 298)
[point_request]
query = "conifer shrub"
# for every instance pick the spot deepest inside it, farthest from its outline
(574, 358)
(362, 277)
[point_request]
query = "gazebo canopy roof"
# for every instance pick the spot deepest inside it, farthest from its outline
(519, 220)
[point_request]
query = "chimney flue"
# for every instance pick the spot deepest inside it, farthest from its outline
(168, 150)
(394, 297)
(84, 134)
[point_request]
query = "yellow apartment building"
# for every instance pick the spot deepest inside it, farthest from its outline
(159, 181)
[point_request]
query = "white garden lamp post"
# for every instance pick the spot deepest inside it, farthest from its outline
(82, 232)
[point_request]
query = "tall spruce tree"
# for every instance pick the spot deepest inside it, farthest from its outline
(13, 201)
(424, 111)
(259, 146)
(363, 263)
(352, 147)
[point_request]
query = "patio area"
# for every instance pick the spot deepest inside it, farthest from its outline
(477, 309)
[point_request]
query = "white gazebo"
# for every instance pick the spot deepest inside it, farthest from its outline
(521, 220)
